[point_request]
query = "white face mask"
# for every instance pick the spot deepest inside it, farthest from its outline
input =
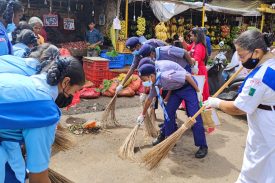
(147, 83)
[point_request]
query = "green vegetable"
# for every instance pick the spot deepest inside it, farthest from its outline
(97, 48)
(112, 53)
(106, 85)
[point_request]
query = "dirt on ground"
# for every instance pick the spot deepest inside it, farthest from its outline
(94, 159)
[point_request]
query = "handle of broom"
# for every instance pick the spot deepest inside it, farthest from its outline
(225, 85)
(114, 97)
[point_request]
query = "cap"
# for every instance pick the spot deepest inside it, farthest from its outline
(145, 60)
(132, 42)
(145, 50)
(146, 70)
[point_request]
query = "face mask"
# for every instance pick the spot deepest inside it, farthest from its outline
(63, 101)
(147, 83)
(136, 52)
(251, 63)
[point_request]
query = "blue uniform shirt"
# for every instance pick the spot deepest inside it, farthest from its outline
(94, 36)
(38, 141)
(17, 65)
(20, 49)
(5, 44)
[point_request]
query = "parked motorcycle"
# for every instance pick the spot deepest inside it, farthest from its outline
(215, 78)
(219, 72)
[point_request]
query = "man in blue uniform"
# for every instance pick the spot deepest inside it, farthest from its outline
(169, 75)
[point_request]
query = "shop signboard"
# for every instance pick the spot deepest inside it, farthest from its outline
(50, 20)
(69, 24)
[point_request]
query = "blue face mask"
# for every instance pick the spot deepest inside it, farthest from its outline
(136, 52)
(147, 83)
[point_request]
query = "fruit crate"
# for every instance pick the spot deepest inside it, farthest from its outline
(115, 62)
(96, 69)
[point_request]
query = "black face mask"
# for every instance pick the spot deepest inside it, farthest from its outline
(63, 101)
(251, 63)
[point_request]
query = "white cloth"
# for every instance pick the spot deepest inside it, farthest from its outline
(116, 24)
(259, 156)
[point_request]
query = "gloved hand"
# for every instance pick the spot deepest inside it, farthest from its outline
(195, 69)
(199, 95)
(140, 119)
(119, 88)
(142, 97)
(212, 102)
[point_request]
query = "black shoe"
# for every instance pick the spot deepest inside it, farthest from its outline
(202, 152)
(161, 125)
(159, 139)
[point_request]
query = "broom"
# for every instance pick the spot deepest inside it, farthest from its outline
(63, 141)
(126, 151)
(110, 109)
(57, 177)
(160, 151)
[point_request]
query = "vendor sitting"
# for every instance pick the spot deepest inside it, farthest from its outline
(93, 38)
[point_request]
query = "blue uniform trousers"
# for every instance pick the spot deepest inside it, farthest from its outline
(189, 95)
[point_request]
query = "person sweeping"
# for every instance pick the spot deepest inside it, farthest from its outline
(168, 75)
(256, 99)
(23, 121)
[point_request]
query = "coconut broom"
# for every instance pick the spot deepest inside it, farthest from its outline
(110, 109)
(57, 177)
(63, 141)
(160, 151)
(126, 151)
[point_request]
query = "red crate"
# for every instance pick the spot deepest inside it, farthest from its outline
(96, 69)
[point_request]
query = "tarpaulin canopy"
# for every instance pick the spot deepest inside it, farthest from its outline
(165, 10)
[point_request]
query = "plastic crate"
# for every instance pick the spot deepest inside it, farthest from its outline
(96, 69)
(115, 62)
(128, 58)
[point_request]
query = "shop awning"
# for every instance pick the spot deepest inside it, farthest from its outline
(165, 10)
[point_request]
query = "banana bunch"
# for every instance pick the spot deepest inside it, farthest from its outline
(121, 77)
(161, 31)
(181, 21)
(141, 24)
(174, 28)
(180, 30)
(122, 32)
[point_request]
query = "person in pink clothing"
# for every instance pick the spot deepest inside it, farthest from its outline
(198, 51)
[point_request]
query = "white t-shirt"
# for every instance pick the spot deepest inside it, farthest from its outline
(259, 156)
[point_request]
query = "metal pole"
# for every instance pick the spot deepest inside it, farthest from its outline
(262, 22)
(203, 13)
(126, 17)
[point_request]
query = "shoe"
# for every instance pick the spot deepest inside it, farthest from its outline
(159, 139)
(202, 152)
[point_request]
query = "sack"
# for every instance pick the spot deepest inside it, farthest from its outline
(127, 92)
(75, 101)
(108, 94)
(135, 84)
(210, 120)
(89, 93)
(172, 80)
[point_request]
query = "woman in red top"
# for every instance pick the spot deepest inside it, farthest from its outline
(199, 53)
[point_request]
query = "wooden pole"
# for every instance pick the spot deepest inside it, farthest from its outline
(126, 17)
(203, 13)
(262, 22)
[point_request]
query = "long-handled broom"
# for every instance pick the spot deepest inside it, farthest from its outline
(110, 109)
(160, 151)
(126, 151)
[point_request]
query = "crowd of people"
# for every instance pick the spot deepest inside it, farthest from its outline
(35, 82)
